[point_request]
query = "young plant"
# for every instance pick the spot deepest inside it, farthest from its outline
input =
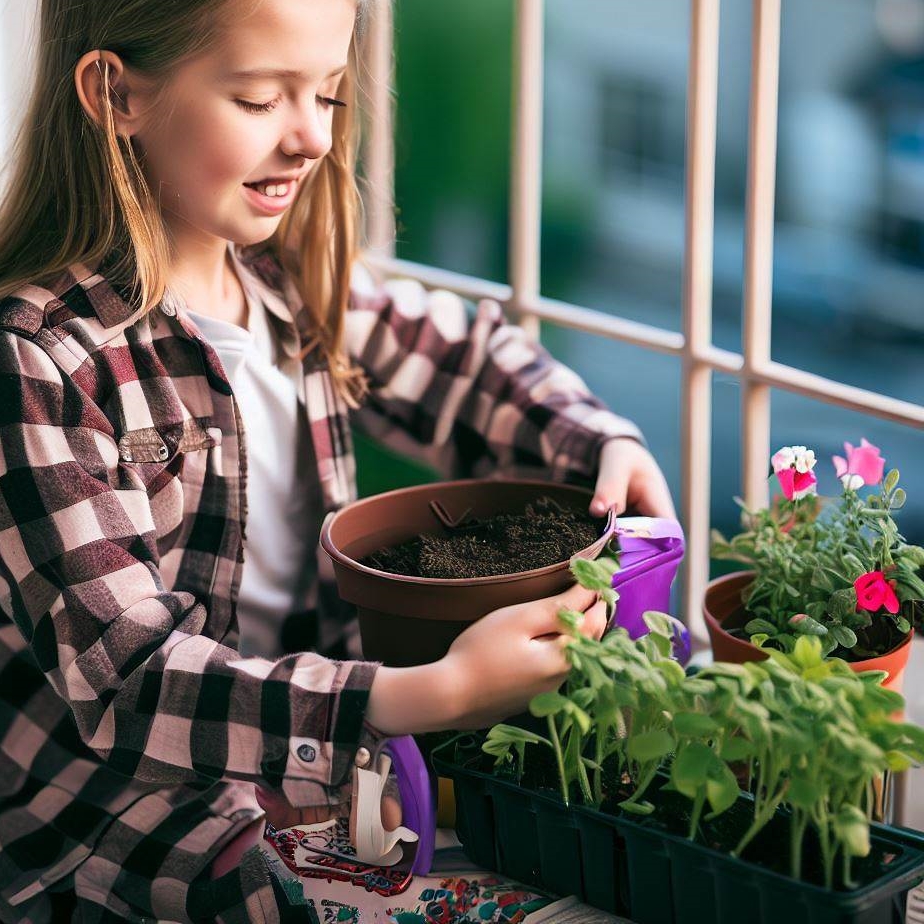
(806, 733)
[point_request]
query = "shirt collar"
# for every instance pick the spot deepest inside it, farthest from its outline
(263, 279)
(107, 310)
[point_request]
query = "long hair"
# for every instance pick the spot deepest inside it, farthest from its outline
(76, 192)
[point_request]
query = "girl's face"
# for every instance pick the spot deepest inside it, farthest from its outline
(239, 127)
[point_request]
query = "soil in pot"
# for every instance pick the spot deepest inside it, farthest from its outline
(770, 849)
(880, 637)
(545, 533)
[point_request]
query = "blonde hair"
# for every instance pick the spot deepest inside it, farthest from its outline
(67, 170)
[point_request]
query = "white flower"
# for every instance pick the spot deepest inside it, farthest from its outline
(798, 457)
(783, 459)
(805, 459)
(852, 482)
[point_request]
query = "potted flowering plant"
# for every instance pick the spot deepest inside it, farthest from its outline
(836, 569)
(626, 792)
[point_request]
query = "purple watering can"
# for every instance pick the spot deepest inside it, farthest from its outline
(650, 553)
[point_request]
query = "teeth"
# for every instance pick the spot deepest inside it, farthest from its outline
(274, 190)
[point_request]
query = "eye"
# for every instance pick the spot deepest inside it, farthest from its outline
(330, 101)
(257, 107)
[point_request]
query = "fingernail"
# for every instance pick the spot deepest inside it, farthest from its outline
(597, 507)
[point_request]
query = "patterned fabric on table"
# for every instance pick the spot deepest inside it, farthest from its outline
(127, 717)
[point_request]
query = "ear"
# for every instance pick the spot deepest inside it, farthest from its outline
(103, 71)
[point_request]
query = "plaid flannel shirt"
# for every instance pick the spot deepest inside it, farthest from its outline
(131, 730)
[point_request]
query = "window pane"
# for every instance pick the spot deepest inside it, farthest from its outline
(849, 253)
(615, 131)
(613, 156)
(650, 398)
(452, 134)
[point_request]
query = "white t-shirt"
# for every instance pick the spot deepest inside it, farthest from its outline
(282, 527)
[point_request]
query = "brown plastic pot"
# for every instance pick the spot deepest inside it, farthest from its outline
(407, 620)
(723, 599)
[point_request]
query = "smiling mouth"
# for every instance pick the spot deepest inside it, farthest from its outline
(271, 198)
(273, 189)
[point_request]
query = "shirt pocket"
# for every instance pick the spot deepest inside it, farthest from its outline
(151, 450)
(162, 459)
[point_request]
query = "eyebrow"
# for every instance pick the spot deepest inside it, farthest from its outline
(265, 72)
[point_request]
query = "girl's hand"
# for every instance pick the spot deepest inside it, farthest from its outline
(502, 661)
(629, 477)
(492, 671)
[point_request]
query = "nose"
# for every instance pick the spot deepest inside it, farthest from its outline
(309, 134)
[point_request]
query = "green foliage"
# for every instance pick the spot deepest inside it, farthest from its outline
(806, 555)
(806, 731)
(597, 575)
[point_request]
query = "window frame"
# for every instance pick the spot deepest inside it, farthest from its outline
(754, 367)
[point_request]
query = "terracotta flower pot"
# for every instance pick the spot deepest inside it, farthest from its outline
(412, 620)
(723, 599)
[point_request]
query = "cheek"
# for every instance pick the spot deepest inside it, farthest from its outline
(204, 148)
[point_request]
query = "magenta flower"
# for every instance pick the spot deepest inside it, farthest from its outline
(875, 592)
(793, 466)
(863, 465)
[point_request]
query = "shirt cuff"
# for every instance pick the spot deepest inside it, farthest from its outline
(317, 771)
(578, 453)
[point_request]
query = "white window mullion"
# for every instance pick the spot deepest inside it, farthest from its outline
(526, 161)
(379, 161)
(758, 250)
(702, 96)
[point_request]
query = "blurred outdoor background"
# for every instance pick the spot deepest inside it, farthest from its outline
(849, 237)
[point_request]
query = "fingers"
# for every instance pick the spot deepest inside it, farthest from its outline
(616, 468)
(610, 491)
(595, 621)
(593, 626)
(543, 614)
(629, 475)
(575, 598)
(391, 813)
(654, 499)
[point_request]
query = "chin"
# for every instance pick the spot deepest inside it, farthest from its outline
(253, 235)
(251, 239)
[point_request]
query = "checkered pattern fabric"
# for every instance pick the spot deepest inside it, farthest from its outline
(131, 729)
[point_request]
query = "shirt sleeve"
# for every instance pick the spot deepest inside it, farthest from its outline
(154, 698)
(471, 396)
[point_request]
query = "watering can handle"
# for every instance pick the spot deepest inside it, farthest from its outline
(417, 806)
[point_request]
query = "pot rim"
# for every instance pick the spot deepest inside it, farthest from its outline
(352, 564)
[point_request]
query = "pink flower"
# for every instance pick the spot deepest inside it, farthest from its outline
(863, 465)
(874, 592)
(793, 466)
(796, 485)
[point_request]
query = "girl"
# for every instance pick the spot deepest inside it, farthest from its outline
(181, 219)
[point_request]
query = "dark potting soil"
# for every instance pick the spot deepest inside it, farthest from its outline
(506, 543)
(769, 849)
(878, 638)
